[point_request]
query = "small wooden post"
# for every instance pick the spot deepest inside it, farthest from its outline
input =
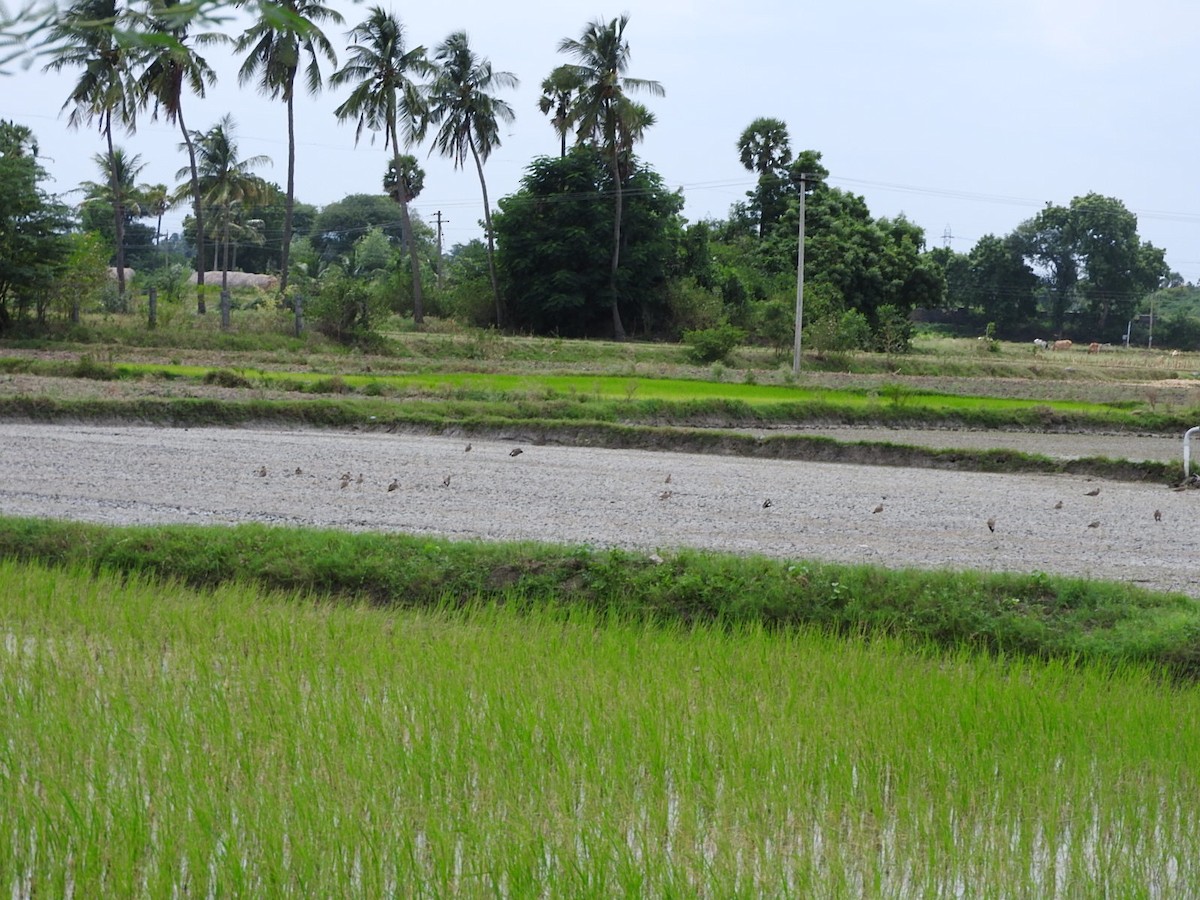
(153, 307)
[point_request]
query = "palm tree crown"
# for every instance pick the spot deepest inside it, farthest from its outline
(385, 98)
(85, 37)
(469, 117)
(604, 114)
(171, 67)
(275, 45)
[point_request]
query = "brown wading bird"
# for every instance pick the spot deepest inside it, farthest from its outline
(1158, 515)
(298, 472)
(878, 509)
(395, 484)
(1092, 493)
(359, 479)
(467, 449)
(262, 473)
(1058, 505)
(515, 451)
(446, 481)
(991, 523)
(668, 481)
(665, 495)
(1095, 524)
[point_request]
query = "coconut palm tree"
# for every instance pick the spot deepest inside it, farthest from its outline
(275, 45)
(604, 114)
(170, 68)
(386, 98)
(226, 183)
(156, 200)
(84, 37)
(559, 91)
(468, 117)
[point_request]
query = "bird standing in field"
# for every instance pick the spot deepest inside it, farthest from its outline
(395, 484)
(991, 523)
(515, 451)
(668, 481)
(1094, 524)
(1092, 493)
(359, 479)
(1058, 505)
(446, 481)
(467, 449)
(298, 471)
(1158, 515)
(262, 472)
(768, 503)
(878, 509)
(665, 495)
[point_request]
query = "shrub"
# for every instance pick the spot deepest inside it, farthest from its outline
(707, 345)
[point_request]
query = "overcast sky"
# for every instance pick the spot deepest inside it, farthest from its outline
(965, 115)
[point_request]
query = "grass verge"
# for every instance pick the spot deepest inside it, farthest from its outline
(1032, 614)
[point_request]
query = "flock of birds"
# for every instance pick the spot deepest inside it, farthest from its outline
(346, 479)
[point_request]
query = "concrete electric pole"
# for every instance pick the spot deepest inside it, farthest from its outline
(802, 182)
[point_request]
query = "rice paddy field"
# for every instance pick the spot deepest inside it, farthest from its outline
(165, 742)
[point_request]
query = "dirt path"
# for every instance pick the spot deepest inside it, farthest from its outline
(577, 495)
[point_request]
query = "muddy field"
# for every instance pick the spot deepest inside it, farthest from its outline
(578, 495)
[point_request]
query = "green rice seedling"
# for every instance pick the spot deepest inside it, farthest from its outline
(163, 741)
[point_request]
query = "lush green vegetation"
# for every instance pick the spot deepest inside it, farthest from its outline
(1034, 614)
(162, 740)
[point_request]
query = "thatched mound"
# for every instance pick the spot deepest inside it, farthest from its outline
(242, 279)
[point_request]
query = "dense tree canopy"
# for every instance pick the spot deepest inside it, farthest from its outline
(554, 238)
(32, 226)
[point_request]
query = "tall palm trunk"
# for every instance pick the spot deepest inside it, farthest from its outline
(114, 184)
(491, 239)
(618, 328)
(290, 201)
(418, 298)
(197, 214)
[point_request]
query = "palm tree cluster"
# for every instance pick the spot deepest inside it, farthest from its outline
(142, 57)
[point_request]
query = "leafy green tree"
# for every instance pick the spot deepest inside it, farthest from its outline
(32, 226)
(339, 224)
(81, 281)
(85, 37)
(1091, 260)
(605, 115)
(1001, 285)
(172, 66)
(764, 148)
(560, 89)
(385, 97)
(287, 33)
(1048, 242)
(468, 115)
(552, 254)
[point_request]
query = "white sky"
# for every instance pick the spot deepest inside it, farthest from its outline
(966, 115)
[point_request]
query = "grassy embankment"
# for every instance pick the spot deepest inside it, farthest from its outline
(1034, 614)
(160, 741)
(659, 403)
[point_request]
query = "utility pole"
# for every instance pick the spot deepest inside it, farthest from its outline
(802, 182)
(439, 247)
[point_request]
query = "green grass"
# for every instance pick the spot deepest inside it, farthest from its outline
(160, 741)
(1032, 614)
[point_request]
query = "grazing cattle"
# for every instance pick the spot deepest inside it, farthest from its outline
(1040, 344)
(1061, 345)
(1093, 347)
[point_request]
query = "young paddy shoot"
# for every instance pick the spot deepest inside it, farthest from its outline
(161, 741)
